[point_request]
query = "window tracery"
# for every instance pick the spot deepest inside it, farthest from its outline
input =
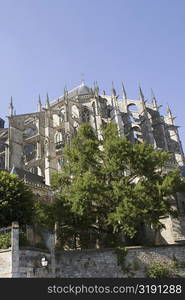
(85, 115)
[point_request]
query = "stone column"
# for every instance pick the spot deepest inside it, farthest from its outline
(15, 249)
(50, 157)
(52, 251)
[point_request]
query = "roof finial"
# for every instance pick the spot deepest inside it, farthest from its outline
(39, 99)
(154, 100)
(113, 90)
(11, 107)
(153, 95)
(47, 101)
(124, 92)
(141, 94)
(96, 89)
(142, 98)
(65, 94)
(169, 112)
(65, 91)
(82, 79)
(39, 104)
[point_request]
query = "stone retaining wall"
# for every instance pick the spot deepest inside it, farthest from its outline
(96, 262)
(5, 263)
(104, 263)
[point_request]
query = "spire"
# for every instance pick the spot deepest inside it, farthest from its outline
(141, 96)
(65, 92)
(154, 100)
(113, 90)
(39, 104)
(40, 100)
(47, 101)
(82, 79)
(11, 107)
(96, 89)
(66, 104)
(114, 97)
(66, 99)
(124, 92)
(169, 114)
(97, 86)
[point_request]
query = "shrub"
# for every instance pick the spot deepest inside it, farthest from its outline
(5, 240)
(160, 270)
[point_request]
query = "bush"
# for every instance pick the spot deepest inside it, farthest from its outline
(5, 240)
(159, 270)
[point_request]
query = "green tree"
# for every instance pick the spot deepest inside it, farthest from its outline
(44, 214)
(79, 188)
(110, 186)
(138, 182)
(16, 201)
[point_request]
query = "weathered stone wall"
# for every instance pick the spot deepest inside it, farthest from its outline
(104, 263)
(5, 263)
(96, 262)
(30, 263)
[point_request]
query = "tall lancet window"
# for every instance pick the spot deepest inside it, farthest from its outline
(85, 115)
(58, 137)
(59, 140)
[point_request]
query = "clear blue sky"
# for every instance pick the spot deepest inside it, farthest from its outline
(45, 44)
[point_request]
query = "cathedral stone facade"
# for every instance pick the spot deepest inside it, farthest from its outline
(32, 145)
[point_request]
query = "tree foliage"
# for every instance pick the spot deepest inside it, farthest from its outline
(16, 201)
(110, 186)
(44, 215)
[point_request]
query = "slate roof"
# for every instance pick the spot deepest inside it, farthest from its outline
(81, 89)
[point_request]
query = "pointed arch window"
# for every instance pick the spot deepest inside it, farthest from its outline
(58, 137)
(75, 112)
(59, 140)
(85, 115)
(30, 151)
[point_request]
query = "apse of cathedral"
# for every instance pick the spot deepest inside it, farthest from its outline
(32, 146)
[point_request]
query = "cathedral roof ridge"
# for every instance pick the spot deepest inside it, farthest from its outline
(26, 114)
(81, 89)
